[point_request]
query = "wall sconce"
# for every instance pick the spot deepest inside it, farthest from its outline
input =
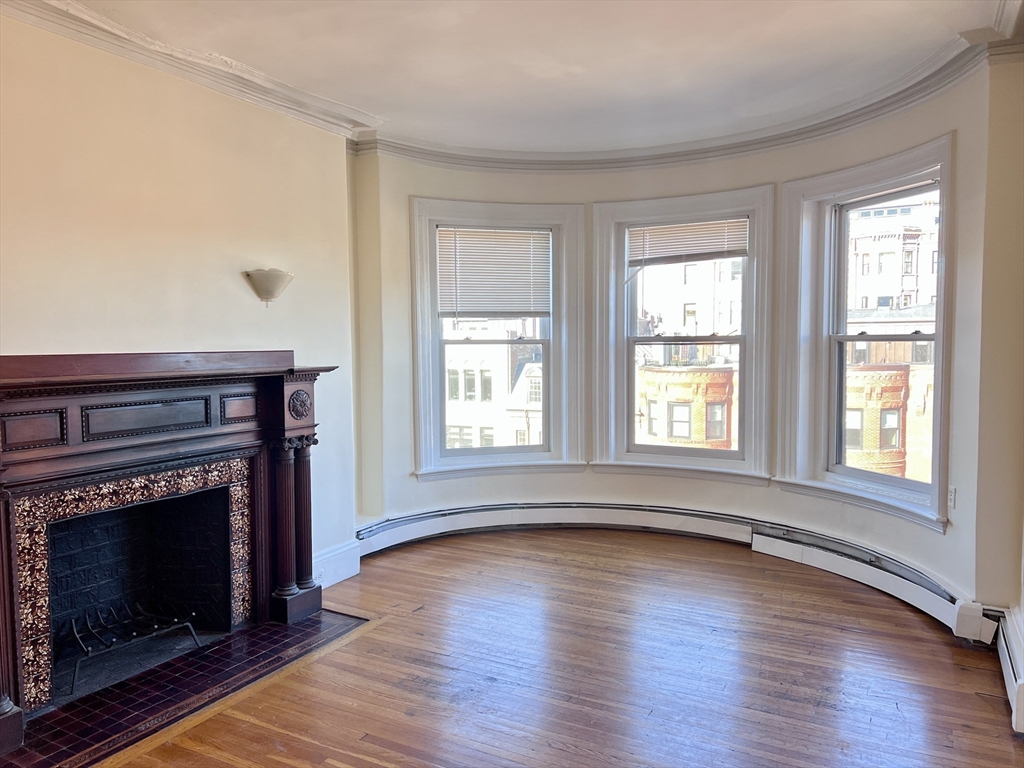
(268, 284)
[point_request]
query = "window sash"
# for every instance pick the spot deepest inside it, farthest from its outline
(545, 400)
(633, 446)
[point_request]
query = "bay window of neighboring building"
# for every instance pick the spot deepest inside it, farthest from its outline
(495, 306)
(863, 411)
(685, 281)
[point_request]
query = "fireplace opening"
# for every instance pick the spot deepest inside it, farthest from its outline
(128, 586)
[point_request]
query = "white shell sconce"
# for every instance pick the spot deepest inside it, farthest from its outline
(268, 284)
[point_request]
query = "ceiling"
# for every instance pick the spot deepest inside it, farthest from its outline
(585, 76)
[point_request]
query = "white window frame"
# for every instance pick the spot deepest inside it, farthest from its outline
(611, 405)
(805, 410)
(563, 374)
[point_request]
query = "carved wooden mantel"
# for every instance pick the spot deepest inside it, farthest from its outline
(118, 427)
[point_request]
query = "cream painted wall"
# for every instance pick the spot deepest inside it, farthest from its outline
(1001, 450)
(130, 203)
(386, 297)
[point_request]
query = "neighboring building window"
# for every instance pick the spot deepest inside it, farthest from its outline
(889, 429)
(906, 299)
(904, 211)
(865, 264)
(485, 386)
(884, 301)
(521, 437)
(686, 277)
(935, 262)
(536, 390)
(459, 437)
(679, 421)
(863, 302)
(495, 304)
(908, 262)
(715, 426)
(854, 434)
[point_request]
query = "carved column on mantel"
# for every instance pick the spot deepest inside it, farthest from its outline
(304, 514)
(296, 594)
(12, 719)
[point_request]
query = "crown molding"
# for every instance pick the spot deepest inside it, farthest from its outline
(954, 71)
(73, 20)
(952, 64)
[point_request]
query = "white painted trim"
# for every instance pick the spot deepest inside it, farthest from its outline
(565, 368)
(919, 597)
(906, 509)
(336, 563)
(502, 468)
(610, 409)
(673, 470)
(1011, 658)
(1006, 15)
(803, 395)
(556, 515)
(81, 24)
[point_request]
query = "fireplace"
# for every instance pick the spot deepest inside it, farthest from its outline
(157, 485)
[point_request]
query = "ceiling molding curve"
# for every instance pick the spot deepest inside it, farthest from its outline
(73, 20)
(953, 72)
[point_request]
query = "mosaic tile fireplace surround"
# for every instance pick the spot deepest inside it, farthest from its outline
(83, 435)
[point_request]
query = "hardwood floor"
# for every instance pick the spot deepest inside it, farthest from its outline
(599, 648)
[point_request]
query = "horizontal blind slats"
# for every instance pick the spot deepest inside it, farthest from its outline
(493, 272)
(671, 242)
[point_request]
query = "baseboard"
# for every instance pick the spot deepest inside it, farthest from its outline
(1011, 658)
(336, 563)
(390, 533)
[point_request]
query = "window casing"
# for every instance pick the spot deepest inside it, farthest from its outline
(825, 345)
(654, 336)
(498, 331)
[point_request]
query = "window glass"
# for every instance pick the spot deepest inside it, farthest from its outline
(666, 304)
(886, 415)
(453, 384)
(510, 393)
(687, 375)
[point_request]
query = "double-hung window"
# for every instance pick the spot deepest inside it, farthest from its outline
(695, 355)
(864, 393)
(880, 359)
(495, 303)
(685, 282)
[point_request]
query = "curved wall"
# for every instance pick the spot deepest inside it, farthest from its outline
(389, 488)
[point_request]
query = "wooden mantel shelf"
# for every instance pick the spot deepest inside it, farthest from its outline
(20, 371)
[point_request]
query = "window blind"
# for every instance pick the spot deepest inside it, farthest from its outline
(493, 272)
(672, 243)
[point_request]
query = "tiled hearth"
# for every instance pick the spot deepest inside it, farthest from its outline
(98, 725)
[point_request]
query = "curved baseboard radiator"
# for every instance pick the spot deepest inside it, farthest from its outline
(967, 619)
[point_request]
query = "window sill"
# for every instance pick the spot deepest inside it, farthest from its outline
(504, 468)
(672, 470)
(905, 508)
